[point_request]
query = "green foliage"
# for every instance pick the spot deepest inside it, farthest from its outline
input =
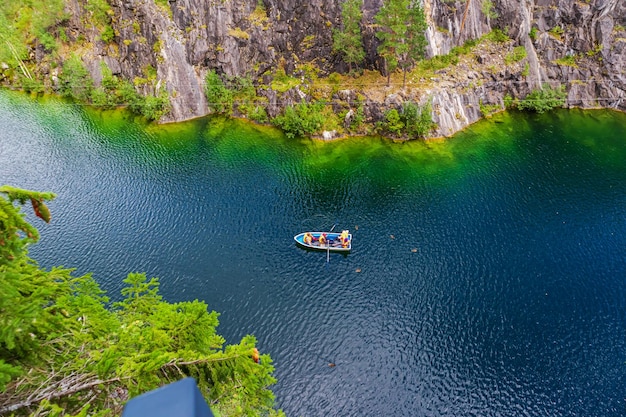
(150, 72)
(497, 35)
(99, 11)
(518, 53)
(465, 48)
(418, 121)
(331, 120)
(155, 106)
(595, 51)
(7, 373)
(32, 85)
(533, 33)
(334, 79)
(127, 94)
(258, 114)
(545, 99)
(75, 79)
(443, 61)
(283, 82)
(24, 25)
(356, 123)
(526, 69)
(219, 97)
(401, 34)
(556, 32)
(12, 52)
(411, 121)
(301, 120)
(15, 232)
(48, 42)
(391, 20)
(29, 315)
(488, 109)
(23, 21)
(115, 91)
(63, 35)
(62, 348)
(439, 62)
(488, 9)
(567, 61)
(509, 102)
(225, 95)
(259, 16)
(108, 34)
(308, 70)
(393, 122)
(416, 37)
(349, 41)
(246, 100)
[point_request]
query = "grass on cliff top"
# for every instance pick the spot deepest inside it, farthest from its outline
(424, 74)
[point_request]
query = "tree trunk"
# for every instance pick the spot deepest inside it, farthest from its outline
(54, 393)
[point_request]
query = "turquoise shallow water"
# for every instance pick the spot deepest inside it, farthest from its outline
(488, 275)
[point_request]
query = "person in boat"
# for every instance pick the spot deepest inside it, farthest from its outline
(308, 238)
(323, 239)
(344, 238)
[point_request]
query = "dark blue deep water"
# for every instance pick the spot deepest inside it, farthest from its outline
(488, 275)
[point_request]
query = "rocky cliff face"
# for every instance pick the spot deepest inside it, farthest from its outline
(580, 44)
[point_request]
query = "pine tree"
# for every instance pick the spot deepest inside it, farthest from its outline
(415, 38)
(349, 41)
(12, 221)
(401, 35)
(63, 351)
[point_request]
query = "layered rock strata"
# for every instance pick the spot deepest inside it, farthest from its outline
(578, 44)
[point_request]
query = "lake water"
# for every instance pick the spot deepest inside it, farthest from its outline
(487, 276)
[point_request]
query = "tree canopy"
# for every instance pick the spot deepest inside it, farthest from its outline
(65, 350)
(401, 27)
(348, 41)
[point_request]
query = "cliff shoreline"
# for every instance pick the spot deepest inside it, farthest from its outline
(578, 45)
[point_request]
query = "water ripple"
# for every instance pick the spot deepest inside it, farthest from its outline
(486, 277)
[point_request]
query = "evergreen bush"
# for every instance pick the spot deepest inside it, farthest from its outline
(115, 92)
(544, 99)
(258, 114)
(108, 34)
(418, 121)
(301, 120)
(220, 98)
(498, 35)
(64, 351)
(75, 79)
(348, 41)
(393, 122)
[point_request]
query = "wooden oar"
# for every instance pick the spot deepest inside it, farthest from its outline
(328, 245)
